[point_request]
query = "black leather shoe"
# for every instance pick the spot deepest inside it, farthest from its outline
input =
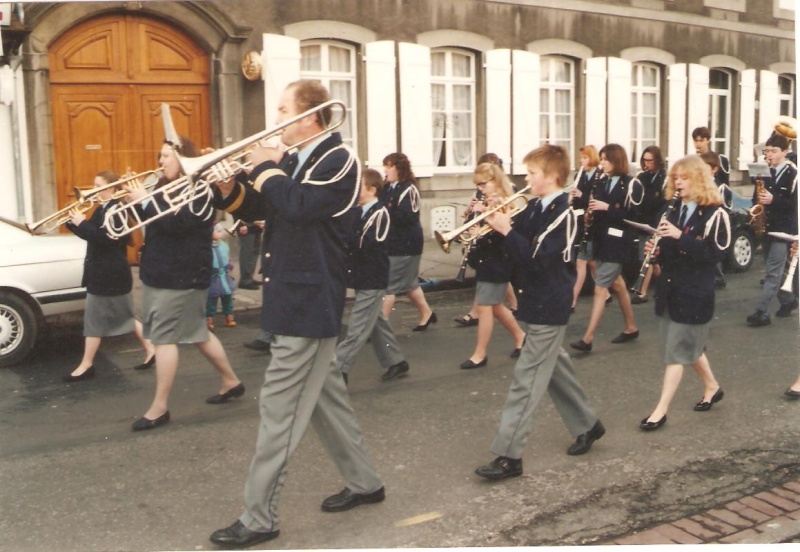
(399, 370)
(785, 311)
(238, 536)
(758, 318)
(88, 374)
(431, 320)
(581, 345)
(639, 299)
(347, 499)
(702, 406)
(584, 441)
(791, 394)
(501, 468)
(232, 393)
(625, 337)
(652, 426)
(720, 284)
(516, 352)
(149, 363)
(467, 320)
(145, 423)
(468, 364)
(258, 345)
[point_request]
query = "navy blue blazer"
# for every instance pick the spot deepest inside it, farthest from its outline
(491, 261)
(367, 260)
(612, 237)
(304, 243)
(654, 200)
(105, 269)
(405, 234)
(782, 212)
(543, 283)
(585, 185)
(722, 176)
(688, 268)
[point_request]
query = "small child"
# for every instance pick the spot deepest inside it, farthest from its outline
(222, 283)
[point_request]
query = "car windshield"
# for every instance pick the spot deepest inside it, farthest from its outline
(740, 202)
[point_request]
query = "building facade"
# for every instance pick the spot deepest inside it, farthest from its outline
(440, 80)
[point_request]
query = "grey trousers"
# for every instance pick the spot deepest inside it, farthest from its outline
(543, 365)
(249, 251)
(300, 385)
(366, 321)
(775, 253)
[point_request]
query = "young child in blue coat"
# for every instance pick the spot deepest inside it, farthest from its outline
(222, 283)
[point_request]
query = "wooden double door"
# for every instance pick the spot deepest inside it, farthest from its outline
(108, 79)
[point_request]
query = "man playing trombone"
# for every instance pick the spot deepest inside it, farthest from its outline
(304, 199)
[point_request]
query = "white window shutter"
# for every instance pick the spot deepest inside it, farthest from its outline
(596, 102)
(416, 119)
(498, 104)
(769, 108)
(381, 102)
(676, 132)
(697, 104)
(526, 68)
(619, 103)
(281, 65)
(747, 117)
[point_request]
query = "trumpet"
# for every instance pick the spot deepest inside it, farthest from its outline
(146, 179)
(202, 173)
(468, 237)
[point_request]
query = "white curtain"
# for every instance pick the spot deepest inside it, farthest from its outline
(439, 119)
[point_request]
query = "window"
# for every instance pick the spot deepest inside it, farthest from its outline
(719, 113)
(453, 100)
(645, 107)
(557, 100)
(786, 94)
(334, 65)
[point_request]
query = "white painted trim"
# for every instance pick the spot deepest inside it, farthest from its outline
(676, 122)
(498, 104)
(747, 117)
(728, 62)
(281, 57)
(526, 69)
(595, 102)
(645, 53)
(454, 38)
(559, 47)
(416, 119)
(768, 104)
(337, 30)
(782, 67)
(381, 111)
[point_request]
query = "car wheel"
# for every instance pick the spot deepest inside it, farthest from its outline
(740, 255)
(18, 329)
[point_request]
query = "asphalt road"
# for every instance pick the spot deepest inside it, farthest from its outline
(73, 477)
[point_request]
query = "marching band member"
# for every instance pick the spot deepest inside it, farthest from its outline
(653, 179)
(779, 198)
(702, 139)
(692, 241)
(613, 202)
(493, 269)
(404, 243)
(176, 272)
(368, 275)
(713, 161)
(108, 282)
(304, 199)
(540, 243)
(579, 197)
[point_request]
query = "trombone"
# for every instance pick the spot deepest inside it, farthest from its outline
(201, 173)
(464, 231)
(86, 199)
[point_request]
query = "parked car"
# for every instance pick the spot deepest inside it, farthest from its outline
(743, 239)
(40, 277)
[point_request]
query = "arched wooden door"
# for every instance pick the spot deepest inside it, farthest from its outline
(108, 78)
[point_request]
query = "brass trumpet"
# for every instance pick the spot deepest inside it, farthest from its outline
(468, 237)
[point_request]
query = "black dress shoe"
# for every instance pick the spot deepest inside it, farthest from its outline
(720, 284)
(516, 352)
(346, 499)
(702, 406)
(501, 468)
(758, 318)
(639, 299)
(232, 393)
(652, 426)
(88, 374)
(258, 345)
(785, 311)
(581, 345)
(791, 394)
(145, 423)
(468, 364)
(238, 536)
(584, 441)
(467, 320)
(431, 320)
(625, 337)
(399, 370)
(149, 363)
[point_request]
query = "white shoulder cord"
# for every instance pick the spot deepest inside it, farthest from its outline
(572, 230)
(722, 165)
(380, 219)
(351, 160)
(714, 221)
(794, 183)
(629, 197)
(413, 194)
(722, 188)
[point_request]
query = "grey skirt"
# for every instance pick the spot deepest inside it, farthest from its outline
(174, 316)
(490, 293)
(108, 316)
(587, 253)
(683, 343)
(403, 274)
(605, 273)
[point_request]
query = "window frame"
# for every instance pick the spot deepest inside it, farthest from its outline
(715, 95)
(551, 86)
(638, 92)
(788, 98)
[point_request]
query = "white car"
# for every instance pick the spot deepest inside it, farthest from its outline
(40, 276)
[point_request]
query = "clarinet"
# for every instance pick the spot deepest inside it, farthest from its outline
(648, 258)
(588, 216)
